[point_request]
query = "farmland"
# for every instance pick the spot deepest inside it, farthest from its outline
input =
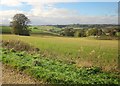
(59, 42)
(75, 49)
(35, 30)
(61, 59)
(76, 57)
(55, 72)
(5, 29)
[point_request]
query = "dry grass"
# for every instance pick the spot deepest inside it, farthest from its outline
(83, 51)
(11, 76)
(17, 45)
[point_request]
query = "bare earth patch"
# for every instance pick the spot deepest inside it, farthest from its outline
(10, 76)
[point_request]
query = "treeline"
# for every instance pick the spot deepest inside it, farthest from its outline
(112, 31)
(85, 25)
(102, 31)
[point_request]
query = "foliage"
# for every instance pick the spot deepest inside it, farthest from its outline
(68, 32)
(80, 33)
(19, 25)
(35, 28)
(84, 51)
(90, 32)
(118, 34)
(56, 72)
(94, 31)
(17, 45)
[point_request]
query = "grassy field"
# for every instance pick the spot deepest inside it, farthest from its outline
(5, 29)
(62, 60)
(81, 51)
(41, 30)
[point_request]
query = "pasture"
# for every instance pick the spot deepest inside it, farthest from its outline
(35, 30)
(81, 51)
(63, 60)
(5, 29)
(59, 43)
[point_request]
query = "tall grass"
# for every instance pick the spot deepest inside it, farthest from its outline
(82, 51)
(56, 72)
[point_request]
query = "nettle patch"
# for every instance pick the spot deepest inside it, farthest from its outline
(56, 72)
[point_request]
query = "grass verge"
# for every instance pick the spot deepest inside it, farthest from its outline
(55, 72)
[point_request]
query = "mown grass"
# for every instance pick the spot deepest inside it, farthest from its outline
(82, 51)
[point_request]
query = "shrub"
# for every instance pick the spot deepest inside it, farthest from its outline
(68, 32)
(35, 28)
(17, 45)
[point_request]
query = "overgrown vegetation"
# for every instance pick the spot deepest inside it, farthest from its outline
(54, 71)
(17, 45)
(82, 52)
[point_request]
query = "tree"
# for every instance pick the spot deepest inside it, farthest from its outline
(100, 32)
(92, 32)
(69, 32)
(80, 33)
(19, 25)
(35, 28)
(77, 33)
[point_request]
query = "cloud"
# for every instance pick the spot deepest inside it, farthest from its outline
(45, 12)
(6, 16)
(32, 2)
(75, 19)
(10, 2)
(41, 2)
(59, 16)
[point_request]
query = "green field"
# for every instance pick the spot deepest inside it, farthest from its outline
(63, 59)
(82, 51)
(41, 30)
(5, 29)
(59, 43)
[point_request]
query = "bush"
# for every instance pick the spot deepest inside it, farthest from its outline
(35, 28)
(17, 45)
(77, 34)
(68, 32)
(80, 33)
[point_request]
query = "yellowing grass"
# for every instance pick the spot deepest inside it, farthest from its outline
(81, 50)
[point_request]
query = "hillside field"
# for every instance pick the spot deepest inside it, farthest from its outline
(40, 30)
(63, 60)
(82, 51)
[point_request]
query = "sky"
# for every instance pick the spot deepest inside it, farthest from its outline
(54, 12)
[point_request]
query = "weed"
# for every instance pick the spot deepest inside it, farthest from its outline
(55, 72)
